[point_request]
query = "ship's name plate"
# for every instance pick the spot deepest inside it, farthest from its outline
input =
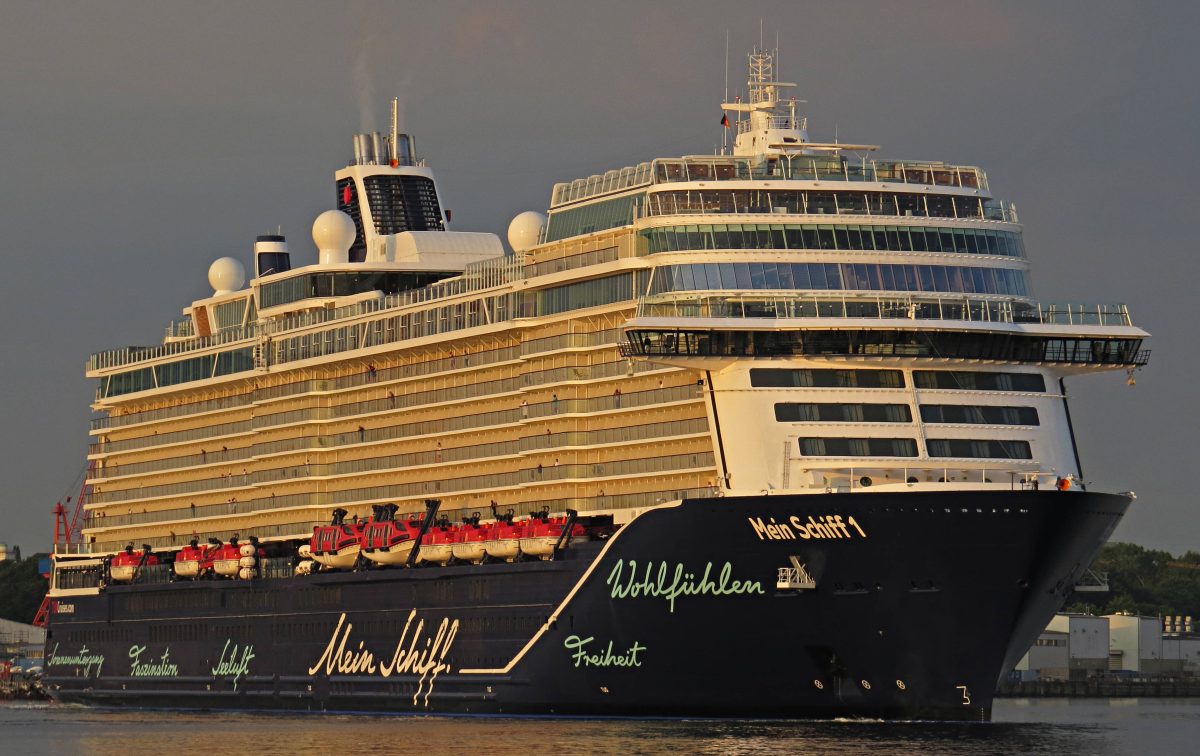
(830, 527)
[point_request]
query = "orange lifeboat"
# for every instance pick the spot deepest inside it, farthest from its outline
(504, 538)
(227, 558)
(437, 546)
(124, 566)
(543, 533)
(194, 561)
(471, 536)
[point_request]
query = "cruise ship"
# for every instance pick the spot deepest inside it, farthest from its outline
(779, 431)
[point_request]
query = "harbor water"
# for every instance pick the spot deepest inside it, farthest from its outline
(1025, 726)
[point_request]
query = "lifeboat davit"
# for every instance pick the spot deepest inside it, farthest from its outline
(504, 538)
(471, 536)
(543, 532)
(386, 540)
(124, 566)
(338, 544)
(437, 546)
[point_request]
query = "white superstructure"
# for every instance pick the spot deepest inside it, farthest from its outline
(790, 316)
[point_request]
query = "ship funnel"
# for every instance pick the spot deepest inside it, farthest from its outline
(377, 153)
(404, 149)
(271, 255)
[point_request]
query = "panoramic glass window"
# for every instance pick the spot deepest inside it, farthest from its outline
(842, 413)
(858, 447)
(950, 279)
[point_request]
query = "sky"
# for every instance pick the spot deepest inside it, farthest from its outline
(139, 141)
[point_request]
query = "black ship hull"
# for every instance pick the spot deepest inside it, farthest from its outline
(897, 605)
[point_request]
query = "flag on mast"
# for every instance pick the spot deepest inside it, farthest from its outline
(725, 120)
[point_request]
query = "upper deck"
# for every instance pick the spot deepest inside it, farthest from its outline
(801, 167)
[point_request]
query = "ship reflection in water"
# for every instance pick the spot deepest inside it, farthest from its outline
(1062, 726)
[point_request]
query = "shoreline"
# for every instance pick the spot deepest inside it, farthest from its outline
(1100, 689)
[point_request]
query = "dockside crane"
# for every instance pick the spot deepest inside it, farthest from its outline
(67, 530)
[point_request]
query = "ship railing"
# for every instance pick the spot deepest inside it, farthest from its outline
(128, 355)
(795, 167)
(771, 122)
(477, 276)
(71, 548)
(779, 305)
(802, 167)
(463, 453)
(573, 262)
(712, 202)
(684, 463)
(868, 476)
(180, 329)
(113, 470)
(366, 377)
(104, 446)
(181, 539)
(303, 529)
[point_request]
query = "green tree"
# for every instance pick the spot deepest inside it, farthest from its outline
(22, 589)
(1145, 581)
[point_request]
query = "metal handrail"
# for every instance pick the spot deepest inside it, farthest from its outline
(782, 305)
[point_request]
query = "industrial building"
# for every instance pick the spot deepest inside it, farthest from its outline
(1083, 646)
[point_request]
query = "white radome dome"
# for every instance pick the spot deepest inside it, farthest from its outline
(333, 232)
(525, 230)
(225, 275)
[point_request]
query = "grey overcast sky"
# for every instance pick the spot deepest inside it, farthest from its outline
(141, 140)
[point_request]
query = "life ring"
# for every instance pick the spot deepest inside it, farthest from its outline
(1063, 484)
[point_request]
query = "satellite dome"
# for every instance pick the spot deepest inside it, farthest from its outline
(333, 232)
(226, 275)
(525, 230)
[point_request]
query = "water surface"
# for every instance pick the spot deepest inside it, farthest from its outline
(1023, 726)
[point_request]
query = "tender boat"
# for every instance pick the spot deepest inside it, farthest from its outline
(386, 540)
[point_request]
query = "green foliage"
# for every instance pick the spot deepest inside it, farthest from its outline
(21, 589)
(1145, 581)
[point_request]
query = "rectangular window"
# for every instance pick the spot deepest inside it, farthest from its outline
(858, 447)
(825, 378)
(973, 380)
(978, 414)
(842, 413)
(967, 448)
